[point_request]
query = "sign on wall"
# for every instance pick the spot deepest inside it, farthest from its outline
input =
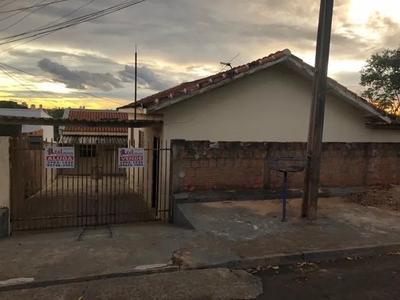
(59, 157)
(130, 157)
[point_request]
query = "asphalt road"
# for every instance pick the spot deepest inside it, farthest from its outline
(375, 278)
(368, 278)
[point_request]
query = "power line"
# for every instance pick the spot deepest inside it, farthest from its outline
(41, 77)
(16, 80)
(63, 99)
(67, 15)
(29, 7)
(7, 4)
(51, 29)
(23, 18)
(63, 17)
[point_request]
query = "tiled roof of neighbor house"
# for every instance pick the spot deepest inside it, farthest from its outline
(95, 115)
(189, 89)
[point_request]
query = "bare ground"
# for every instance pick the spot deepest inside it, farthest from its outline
(383, 196)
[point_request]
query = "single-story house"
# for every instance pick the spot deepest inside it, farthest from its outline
(266, 100)
(36, 133)
(94, 146)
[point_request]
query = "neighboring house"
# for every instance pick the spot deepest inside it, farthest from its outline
(45, 132)
(265, 100)
(94, 146)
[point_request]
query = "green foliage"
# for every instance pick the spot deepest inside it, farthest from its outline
(381, 77)
(56, 113)
(11, 104)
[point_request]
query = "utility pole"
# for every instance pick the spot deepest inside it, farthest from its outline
(135, 79)
(317, 113)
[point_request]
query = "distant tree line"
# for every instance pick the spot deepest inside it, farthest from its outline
(11, 104)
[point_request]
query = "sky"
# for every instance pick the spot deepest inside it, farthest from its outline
(92, 64)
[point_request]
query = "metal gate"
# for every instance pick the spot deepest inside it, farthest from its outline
(95, 192)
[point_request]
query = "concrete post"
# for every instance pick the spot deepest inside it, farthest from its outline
(4, 186)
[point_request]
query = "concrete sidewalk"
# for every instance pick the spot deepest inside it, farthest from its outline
(228, 234)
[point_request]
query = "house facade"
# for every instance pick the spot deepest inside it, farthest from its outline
(94, 146)
(267, 100)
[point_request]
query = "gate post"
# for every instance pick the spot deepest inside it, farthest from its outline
(4, 186)
(175, 176)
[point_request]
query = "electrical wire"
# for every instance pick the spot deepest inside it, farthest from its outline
(67, 15)
(29, 7)
(23, 18)
(63, 17)
(73, 22)
(8, 4)
(24, 85)
(41, 77)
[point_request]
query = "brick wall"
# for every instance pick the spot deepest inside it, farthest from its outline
(202, 165)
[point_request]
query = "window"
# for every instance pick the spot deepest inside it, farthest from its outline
(87, 151)
(141, 139)
(35, 142)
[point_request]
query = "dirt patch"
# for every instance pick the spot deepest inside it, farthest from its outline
(379, 196)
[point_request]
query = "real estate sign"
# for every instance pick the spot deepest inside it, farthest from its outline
(130, 157)
(59, 157)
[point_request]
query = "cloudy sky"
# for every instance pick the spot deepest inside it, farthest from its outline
(178, 40)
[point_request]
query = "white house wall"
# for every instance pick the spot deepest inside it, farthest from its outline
(272, 105)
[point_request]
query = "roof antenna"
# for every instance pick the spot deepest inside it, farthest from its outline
(136, 56)
(228, 64)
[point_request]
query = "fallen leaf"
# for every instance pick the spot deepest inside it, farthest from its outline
(275, 267)
(349, 258)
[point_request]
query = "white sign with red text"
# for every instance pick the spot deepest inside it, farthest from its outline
(130, 157)
(59, 157)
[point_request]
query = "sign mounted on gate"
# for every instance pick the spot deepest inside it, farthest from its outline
(130, 157)
(59, 157)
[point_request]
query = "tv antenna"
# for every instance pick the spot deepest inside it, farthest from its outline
(228, 64)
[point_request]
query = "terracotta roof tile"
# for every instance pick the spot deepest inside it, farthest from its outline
(187, 89)
(96, 115)
(192, 86)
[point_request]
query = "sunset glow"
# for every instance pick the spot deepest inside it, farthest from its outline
(91, 64)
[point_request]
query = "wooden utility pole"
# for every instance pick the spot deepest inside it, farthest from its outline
(317, 113)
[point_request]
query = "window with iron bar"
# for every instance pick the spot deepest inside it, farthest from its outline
(87, 151)
(141, 139)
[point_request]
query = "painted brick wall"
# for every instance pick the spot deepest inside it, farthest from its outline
(202, 165)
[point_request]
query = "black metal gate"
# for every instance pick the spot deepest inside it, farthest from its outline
(95, 192)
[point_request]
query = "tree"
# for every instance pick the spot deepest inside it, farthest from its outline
(381, 77)
(11, 104)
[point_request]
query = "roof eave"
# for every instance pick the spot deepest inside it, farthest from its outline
(355, 99)
(349, 97)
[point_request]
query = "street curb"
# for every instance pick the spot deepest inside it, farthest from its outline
(248, 263)
(46, 283)
(310, 256)
(350, 252)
